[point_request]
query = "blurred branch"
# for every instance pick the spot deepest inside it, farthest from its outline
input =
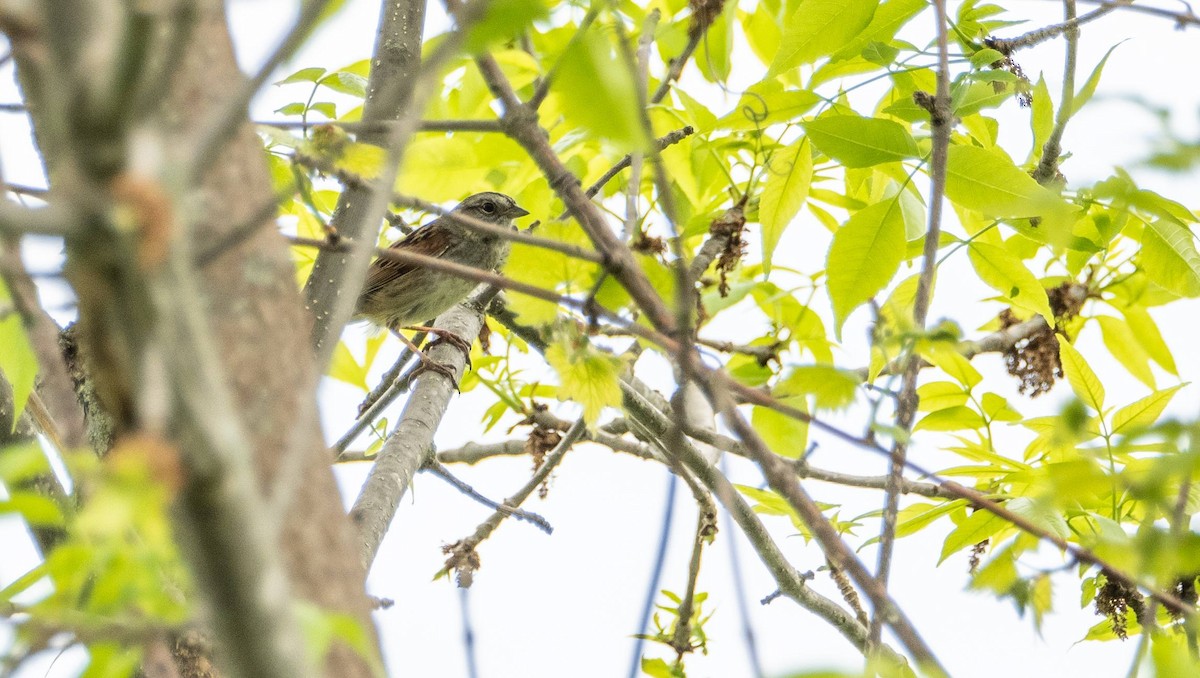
(381, 128)
(221, 126)
(54, 384)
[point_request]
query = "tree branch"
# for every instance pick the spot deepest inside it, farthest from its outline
(941, 121)
(409, 445)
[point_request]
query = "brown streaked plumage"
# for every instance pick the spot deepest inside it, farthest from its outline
(398, 295)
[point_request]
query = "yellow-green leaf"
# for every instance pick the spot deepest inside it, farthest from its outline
(1146, 331)
(888, 19)
(1143, 412)
(1119, 340)
(866, 252)
(1003, 271)
(1089, 87)
(343, 367)
(938, 395)
(1169, 257)
(1041, 121)
(951, 419)
(855, 141)
(586, 375)
(785, 191)
(786, 436)
(598, 91)
(831, 387)
(987, 181)
(18, 362)
(1083, 380)
(977, 527)
(818, 28)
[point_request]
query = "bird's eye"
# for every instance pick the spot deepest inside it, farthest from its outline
(489, 207)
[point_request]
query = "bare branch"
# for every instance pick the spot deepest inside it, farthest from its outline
(442, 472)
(941, 121)
(381, 128)
(410, 443)
(1007, 46)
(1047, 167)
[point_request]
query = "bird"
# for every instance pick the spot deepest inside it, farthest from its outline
(400, 295)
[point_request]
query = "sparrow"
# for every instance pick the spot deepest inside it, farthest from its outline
(400, 295)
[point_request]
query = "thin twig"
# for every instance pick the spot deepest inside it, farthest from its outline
(1047, 167)
(1181, 19)
(534, 519)
(1007, 46)
(523, 237)
(941, 120)
(549, 463)
(384, 394)
(668, 139)
(383, 127)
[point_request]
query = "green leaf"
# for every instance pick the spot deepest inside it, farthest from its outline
(325, 108)
(1169, 257)
(985, 57)
(1146, 331)
(818, 28)
(1041, 120)
(760, 107)
(830, 386)
(34, 508)
(343, 367)
(598, 91)
(865, 254)
(987, 181)
(312, 75)
(784, 194)
(1125, 348)
(977, 527)
(938, 395)
(1089, 87)
(786, 436)
(586, 375)
(950, 361)
(1083, 380)
(291, 109)
(888, 19)
(1004, 272)
(951, 419)
(1143, 412)
(503, 20)
(855, 141)
(996, 408)
(346, 83)
(18, 362)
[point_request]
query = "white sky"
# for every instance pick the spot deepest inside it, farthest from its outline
(567, 604)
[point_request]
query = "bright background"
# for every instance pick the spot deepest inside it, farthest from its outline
(568, 604)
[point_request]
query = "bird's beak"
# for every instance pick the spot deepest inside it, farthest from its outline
(516, 211)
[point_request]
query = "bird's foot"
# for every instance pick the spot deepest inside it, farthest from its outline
(449, 338)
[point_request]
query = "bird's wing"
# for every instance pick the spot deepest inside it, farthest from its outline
(429, 241)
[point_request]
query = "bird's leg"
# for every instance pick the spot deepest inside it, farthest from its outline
(448, 337)
(427, 363)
